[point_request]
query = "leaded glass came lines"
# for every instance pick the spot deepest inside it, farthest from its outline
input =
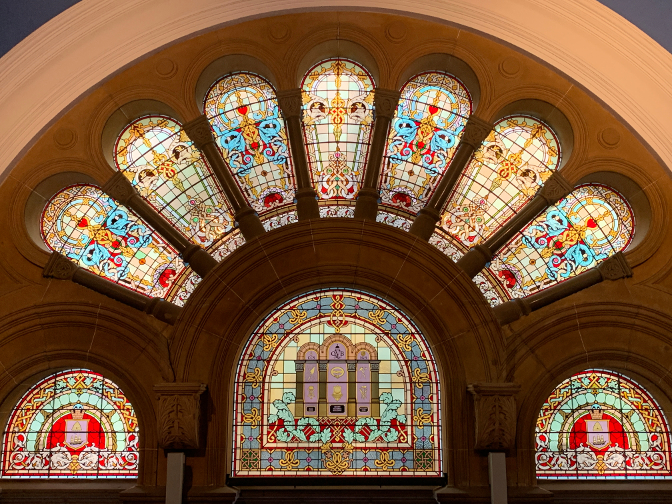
(337, 119)
(98, 234)
(337, 383)
(601, 425)
(515, 160)
(72, 424)
(243, 112)
(425, 131)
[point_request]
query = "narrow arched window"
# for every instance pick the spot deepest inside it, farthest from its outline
(425, 132)
(72, 424)
(600, 424)
(513, 163)
(576, 234)
(243, 111)
(337, 383)
(337, 121)
(107, 239)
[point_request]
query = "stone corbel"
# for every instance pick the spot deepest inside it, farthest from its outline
(179, 415)
(495, 413)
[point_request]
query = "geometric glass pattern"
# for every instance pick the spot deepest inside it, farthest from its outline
(72, 424)
(169, 172)
(100, 235)
(425, 132)
(337, 382)
(243, 111)
(602, 425)
(574, 235)
(511, 165)
(337, 119)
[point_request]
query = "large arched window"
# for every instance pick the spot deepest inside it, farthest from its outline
(72, 424)
(600, 424)
(243, 111)
(337, 120)
(425, 131)
(98, 234)
(580, 231)
(337, 383)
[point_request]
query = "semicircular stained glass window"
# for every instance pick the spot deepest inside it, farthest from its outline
(168, 171)
(337, 122)
(337, 383)
(243, 111)
(425, 131)
(505, 173)
(72, 424)
(602, 425)
(574, 235)
(100, 235)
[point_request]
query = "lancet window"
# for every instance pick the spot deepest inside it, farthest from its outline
(600, 424)
(72, 424)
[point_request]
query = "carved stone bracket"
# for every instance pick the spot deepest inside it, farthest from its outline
(120, 188)
(179, 414)
(475, 131)
(615, 268)
(290, 102)
(555, 188)
(495, 412)
(199, 132)
(59, 267)
(385, 102)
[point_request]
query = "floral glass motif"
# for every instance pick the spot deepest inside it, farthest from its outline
(337, 383)
(425, 131)
(599, 424)
(513, 163)
(583, 229)
(104, 237)
(337, 119)
(169, 172)
(72, 424)
(243, 112)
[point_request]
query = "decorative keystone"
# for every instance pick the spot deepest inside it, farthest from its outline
(495, 412)
(179, 414)
(615, 268)
(555, 188)
(199, 132)
(385, 102)
(290, 102)
(475, 131)
(59, 267)
(120, 188)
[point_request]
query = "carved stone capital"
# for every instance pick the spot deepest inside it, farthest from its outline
(59, 267)
(512, 310)
(179, 414)
(615, 268)
(425, 223)
(555, 188)
(199, 131)
(163, 310)
(475, 131)
(385, 102)
(475, 260)
(495, 413)
(120, 188)
(290, 102)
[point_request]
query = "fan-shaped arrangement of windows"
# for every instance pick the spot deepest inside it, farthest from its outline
(72, 424)
(104, 237)
(426, 128)
(337, 121)
(337, 383)
(601, 424)
(583, 229)
(243, 111)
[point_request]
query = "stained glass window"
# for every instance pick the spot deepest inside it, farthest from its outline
(169, 172)
(243, 112)
(72, 424)
(337, 383)
(425, 131)
(601, 424)
(583, 229)
(104, 237)
(337, 119)
(515, 160)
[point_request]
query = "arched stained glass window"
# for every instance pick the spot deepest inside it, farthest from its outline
(169, 172)
(337, 383)
(572, 236)
(425, 131)
(337, 119)
(72, 424)
(104, 237)
(601, 424)
(243, 112)
(515, 160)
